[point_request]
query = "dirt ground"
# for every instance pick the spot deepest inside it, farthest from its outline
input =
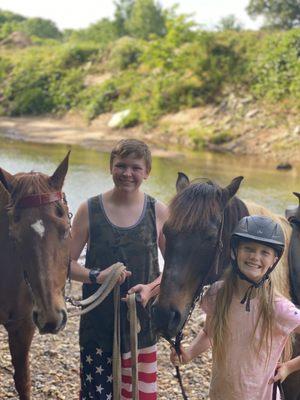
(55, 366)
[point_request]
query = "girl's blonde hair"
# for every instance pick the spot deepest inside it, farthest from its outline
(265, 321)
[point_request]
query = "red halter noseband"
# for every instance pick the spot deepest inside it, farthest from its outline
(36, 200)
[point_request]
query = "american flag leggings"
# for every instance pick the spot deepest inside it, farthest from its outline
(97, 380)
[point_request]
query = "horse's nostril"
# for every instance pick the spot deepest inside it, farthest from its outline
(174, 320)
(64, 318)
(35, 317)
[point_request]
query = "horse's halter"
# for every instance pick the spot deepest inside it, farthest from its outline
(212, 271)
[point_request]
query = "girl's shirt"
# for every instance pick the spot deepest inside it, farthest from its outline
(245, 373)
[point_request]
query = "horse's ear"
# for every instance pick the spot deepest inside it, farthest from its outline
(182, 182)
(7, 180)
(297, 195)
(232, 188)
(57, 179)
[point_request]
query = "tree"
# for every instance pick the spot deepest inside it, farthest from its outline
(122, 14)
(43, 28)
(146, 18)
(283, 14)
(229, 23)
(102, 31)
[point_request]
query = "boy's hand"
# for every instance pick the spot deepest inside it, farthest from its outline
(104, 274)
(282, 372)
(183, 358)
(144, 291)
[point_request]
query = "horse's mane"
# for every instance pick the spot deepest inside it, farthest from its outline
(28, 184)
(192, 208)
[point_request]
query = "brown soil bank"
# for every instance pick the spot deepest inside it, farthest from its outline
(237, 125)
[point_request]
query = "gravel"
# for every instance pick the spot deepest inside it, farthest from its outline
(55, 365)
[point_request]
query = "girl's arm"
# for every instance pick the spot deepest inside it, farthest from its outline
(288, 367)
(199, 345)
(285, 369)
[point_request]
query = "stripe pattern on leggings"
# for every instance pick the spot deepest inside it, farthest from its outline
(147, 374)
(96, 374)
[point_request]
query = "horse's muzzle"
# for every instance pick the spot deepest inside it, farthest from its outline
(52, 326)
(167, 321)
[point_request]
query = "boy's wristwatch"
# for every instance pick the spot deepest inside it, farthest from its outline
(93, 275)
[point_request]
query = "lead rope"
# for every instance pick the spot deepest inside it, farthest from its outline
(111, 283)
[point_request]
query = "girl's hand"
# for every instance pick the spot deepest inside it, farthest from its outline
(183, 358)
(282, 372)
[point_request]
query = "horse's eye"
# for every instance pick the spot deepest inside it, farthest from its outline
(59, 211)
(16, 217)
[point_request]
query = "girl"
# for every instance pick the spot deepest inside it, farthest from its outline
(247, 323)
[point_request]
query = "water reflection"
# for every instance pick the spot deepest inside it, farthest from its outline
(89, 172)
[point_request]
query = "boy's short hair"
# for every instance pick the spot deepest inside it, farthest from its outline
(134, 147)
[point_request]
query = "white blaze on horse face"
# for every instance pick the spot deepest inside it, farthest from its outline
(39, 228)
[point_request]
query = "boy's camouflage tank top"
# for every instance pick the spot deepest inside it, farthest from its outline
(136, 247)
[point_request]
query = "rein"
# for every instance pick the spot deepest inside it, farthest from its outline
(213, 270)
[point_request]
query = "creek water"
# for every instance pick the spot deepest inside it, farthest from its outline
(89, 172)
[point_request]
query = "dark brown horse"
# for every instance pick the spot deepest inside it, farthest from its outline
(202, 217)
(34, 259)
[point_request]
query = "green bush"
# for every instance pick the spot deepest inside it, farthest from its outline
(71, 55)
(98, 99)
(277, 68)
(132, 119)
(125, 53)
(221, 137)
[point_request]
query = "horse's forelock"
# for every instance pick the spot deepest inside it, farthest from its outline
(28, 184)
(193, 208)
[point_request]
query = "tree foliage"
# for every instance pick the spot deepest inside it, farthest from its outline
(146, 18)
(42, 28)
(103, 32)
(282, 14)
(122, 14)
(229, 23)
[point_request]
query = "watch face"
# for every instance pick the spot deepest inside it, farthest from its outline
(93, 274)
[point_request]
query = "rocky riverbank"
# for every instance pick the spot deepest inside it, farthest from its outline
(236, 125)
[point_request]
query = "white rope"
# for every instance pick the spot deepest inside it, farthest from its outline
(109, 284)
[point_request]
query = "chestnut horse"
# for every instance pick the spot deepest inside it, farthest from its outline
(34, 261)
(202, 217)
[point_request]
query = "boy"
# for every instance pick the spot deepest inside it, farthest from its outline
(123, 224)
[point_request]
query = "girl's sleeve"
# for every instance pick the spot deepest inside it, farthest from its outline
(287, 315)
(208, 300)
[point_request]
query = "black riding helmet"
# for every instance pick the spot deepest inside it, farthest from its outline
(263, 230)
(260, 229)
